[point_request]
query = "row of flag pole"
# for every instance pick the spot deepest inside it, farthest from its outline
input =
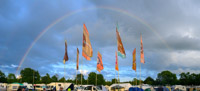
(87, 52)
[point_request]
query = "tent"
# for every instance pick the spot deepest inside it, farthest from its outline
(117, 87)
(71, 86)
(135, 89)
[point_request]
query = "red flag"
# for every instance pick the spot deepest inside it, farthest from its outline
(66, 55)
(99, 62)
(116, 62)
(87, 50)
(134, 60)
(77, 60)
(142, 52)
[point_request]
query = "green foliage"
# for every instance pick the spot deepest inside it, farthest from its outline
(62, 79)
(166, 78)
(149, 81)
(100, 79)
(11, 78)
(29, 74)
(2, 77)
(46, 79)
(92, 78)
(78, 77)
(114, 81)
(54, 78)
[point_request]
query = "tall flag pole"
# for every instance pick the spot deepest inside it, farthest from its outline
(65, 59)
(87, 50)
(141, 56)
(134, 63)
(77, 64)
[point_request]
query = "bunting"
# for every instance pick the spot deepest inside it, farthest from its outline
(87, 50)
(77, 60)
(142, 52)
(120, 47)
(66, 55)
(134, 60)
(99, 62)
(116, 62)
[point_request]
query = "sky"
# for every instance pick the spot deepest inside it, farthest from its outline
(33, 32)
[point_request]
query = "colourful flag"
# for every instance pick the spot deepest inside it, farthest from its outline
(134, 60)
(142, 52)
(116, 63)
(99, 62)
(87, 50)
(121, 51)
(77, 60)
(66, 55)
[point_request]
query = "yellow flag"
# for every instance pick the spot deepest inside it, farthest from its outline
(134, 60)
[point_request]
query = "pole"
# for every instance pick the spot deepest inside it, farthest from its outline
(96, 79)
(76, 77)
(136, 80)
(140, 75)
(81, 67)
(64, 76)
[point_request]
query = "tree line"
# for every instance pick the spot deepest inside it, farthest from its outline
(164, 78)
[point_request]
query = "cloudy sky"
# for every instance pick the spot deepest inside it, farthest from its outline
(33, 32)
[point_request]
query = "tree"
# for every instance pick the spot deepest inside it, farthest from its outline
(100, 79)
(166, 78)
(11, 78)
(54, 78)
(62, 79)
(78, 77)
(149, 81)
(46, 79)
(114, 81)
(29, 74)
(2, 77)
(92, 78)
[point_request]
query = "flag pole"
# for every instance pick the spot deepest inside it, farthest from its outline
(96, 79)
(76, 77)
(140, 75)
(81, 67)
(64, 75)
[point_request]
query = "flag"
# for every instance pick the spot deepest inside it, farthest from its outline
(116, 63)
(77, 60)
(99, 62)
(87, 50)
(142, 52)
(66, 55)
(120, 47)
(134, 60)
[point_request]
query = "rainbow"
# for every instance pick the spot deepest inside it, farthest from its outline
(87, 9)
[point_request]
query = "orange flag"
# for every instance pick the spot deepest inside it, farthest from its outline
(120, 47)
(99, 62)
(142, 52)
(66, 55)
(77, 60)
(116, 63)
(134, 60)
(87, 50)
